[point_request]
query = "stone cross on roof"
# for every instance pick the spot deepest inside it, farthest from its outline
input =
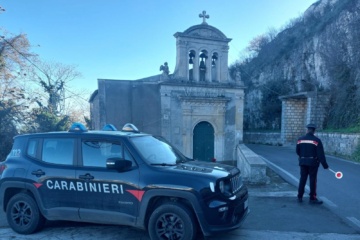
(204, 16)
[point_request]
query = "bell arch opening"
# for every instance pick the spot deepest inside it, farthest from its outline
(203, 56)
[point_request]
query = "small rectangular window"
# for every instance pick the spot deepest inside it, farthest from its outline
(58, 150)
(31, 150)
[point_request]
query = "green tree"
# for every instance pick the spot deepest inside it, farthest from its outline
(50, 115)
(47, 121)
(271, 104)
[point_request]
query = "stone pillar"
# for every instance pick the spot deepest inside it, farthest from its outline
(224, 69)
(239, 119)
(219, 144)
(293, 119)
(309, 113)
(321, 109)
(182, 64)
(187, 130)
(208, 70)
(196, 68)
(165, 95)
(218, 64)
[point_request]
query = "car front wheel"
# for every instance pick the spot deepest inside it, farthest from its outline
(172, 221)
(23, 214)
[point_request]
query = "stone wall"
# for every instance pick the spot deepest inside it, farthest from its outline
(127, 101)
(270, 138)
(293, 118)
(295, 110)
(253, 168)
(339, 143)
(334, 143)
(300, 109)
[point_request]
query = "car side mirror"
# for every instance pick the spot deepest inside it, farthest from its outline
(118, 164)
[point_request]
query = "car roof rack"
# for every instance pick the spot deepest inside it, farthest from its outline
(109, 127)
(129, 127)
(78, 127)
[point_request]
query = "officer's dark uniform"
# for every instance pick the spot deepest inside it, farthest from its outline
(311, 153)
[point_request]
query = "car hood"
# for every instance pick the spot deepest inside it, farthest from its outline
(219, 169)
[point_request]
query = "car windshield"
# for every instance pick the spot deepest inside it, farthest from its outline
(157, 151)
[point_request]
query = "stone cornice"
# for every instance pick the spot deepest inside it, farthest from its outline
(219, 101)
(181, 83)
(203, 31)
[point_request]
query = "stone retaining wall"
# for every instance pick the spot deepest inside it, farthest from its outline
(338, 143)
(253, 168)
(269, 138)
(334, 143)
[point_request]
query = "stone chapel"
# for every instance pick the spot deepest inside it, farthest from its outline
(198, 108)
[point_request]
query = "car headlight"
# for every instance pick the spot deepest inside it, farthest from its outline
(225, 188)
(222, 186)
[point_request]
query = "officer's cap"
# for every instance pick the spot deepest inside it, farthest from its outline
(311, 125)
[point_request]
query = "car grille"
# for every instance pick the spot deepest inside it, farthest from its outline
(236, 183)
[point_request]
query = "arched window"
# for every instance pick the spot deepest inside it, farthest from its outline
(202, 64)
(191, 65)
(214, 67)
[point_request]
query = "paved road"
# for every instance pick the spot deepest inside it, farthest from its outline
(275, 214)
(342, 196)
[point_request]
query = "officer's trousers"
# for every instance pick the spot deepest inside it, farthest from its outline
(306, 171)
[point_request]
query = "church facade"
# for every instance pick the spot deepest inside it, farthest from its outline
(198, 108)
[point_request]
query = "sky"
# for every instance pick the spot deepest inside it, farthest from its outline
(130, 39)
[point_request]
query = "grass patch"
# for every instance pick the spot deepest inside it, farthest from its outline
(262, 130)
(355, 129)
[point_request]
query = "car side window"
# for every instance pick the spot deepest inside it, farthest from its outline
(32, 147)
(95, 153)
(127, 155)
(58, 150)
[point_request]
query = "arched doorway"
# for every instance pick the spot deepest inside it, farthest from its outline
(203, 142)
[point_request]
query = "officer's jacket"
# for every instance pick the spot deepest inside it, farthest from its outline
(310, 150)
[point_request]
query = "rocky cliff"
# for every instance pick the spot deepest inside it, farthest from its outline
(319, 51)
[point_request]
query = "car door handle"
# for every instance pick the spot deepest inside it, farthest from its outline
(86, 177)
(38, 173)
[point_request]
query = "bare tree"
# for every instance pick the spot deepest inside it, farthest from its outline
(13, 64)
(258, 43)
(272, 33)
(59, 103)
(14, 101)
(54, 79)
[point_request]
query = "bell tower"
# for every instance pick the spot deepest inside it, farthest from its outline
(202, 54)
(201, 106)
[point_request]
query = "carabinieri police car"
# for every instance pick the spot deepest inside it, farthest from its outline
(118, 177)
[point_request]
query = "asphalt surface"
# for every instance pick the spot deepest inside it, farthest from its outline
(274, 214)
(340, 195)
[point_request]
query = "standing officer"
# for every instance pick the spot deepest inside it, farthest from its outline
(310, 150)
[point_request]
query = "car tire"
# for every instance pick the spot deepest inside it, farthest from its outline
(172, 221)
(23, 214)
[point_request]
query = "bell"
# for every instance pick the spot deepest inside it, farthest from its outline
(191, 61)
(203, 55)
(202, 66)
